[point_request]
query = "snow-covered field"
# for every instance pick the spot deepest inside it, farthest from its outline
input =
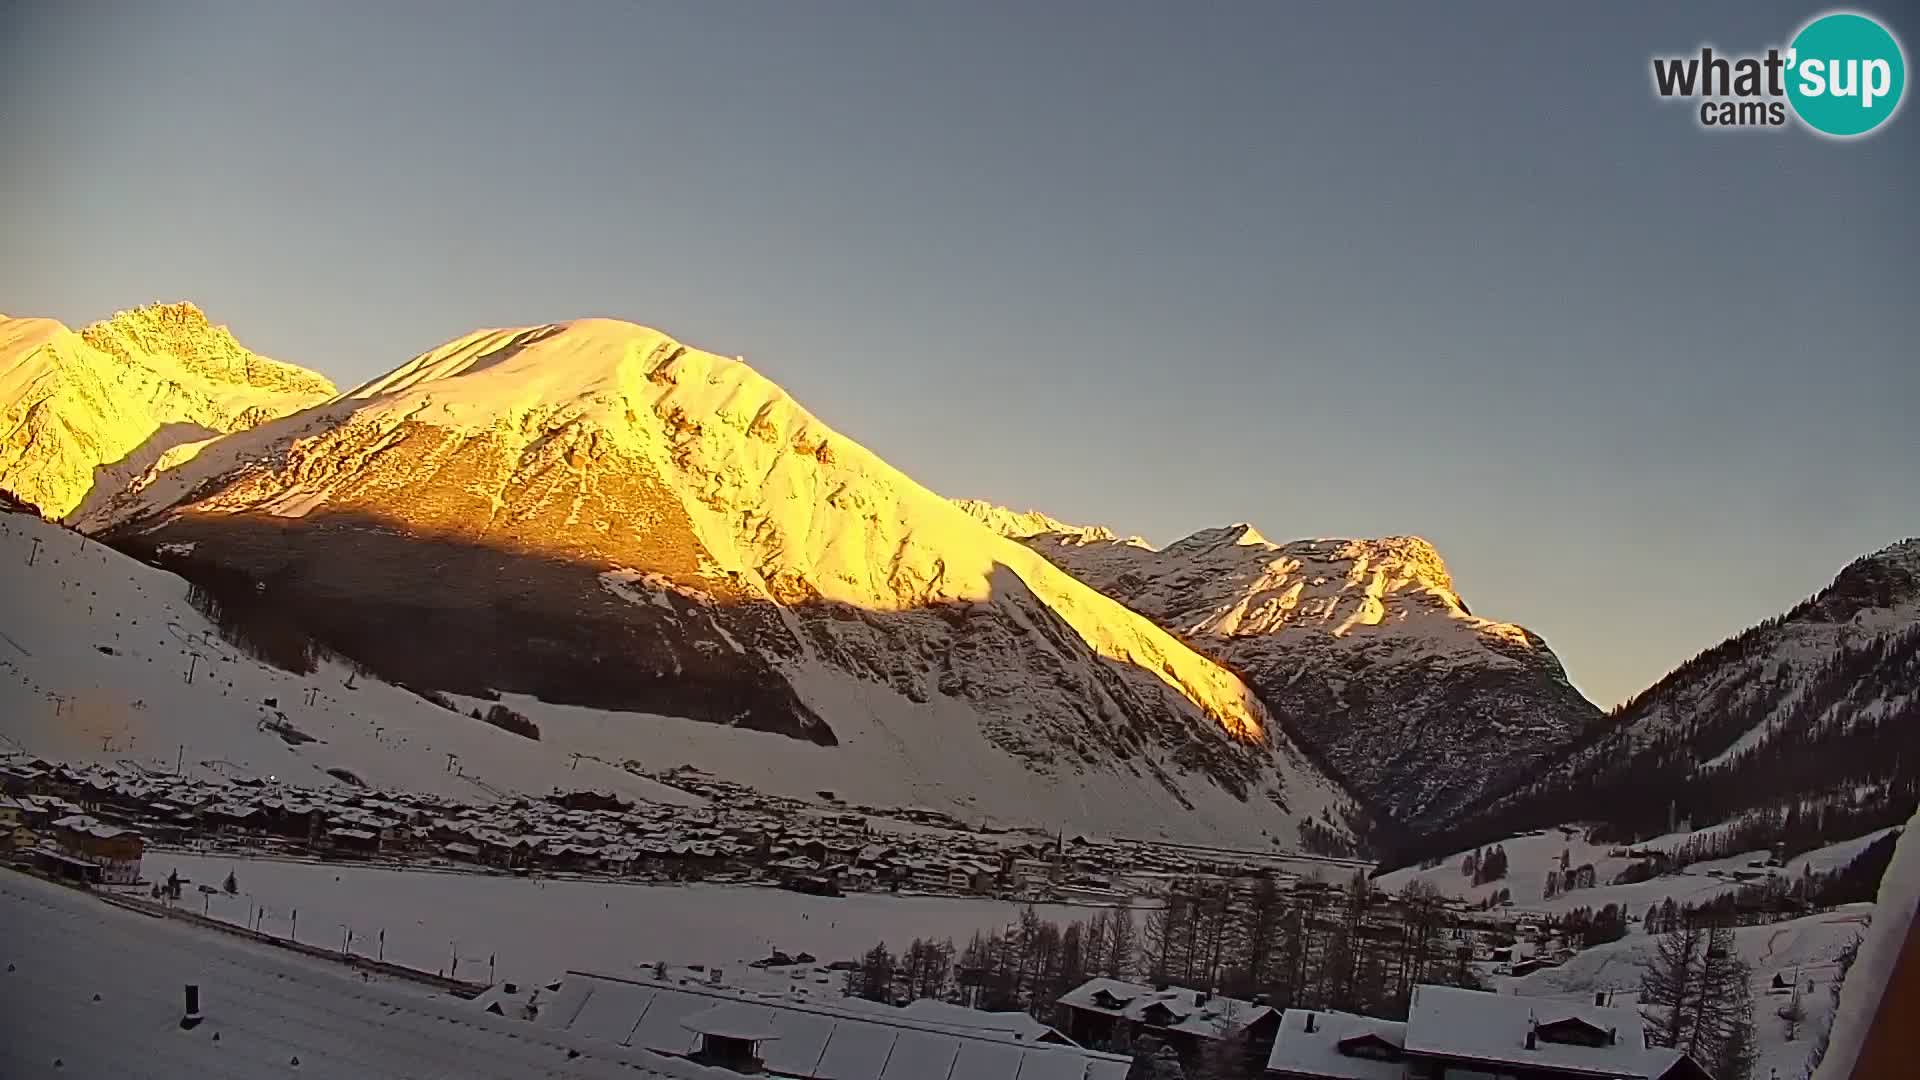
(536, 929)
(1802, 949)
(268, 1012)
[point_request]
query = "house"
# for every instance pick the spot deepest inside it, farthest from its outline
(1454, 1033)
(116, 851)
(353, 843)
(1314, 1045)
(14, 834)
(783, 1035)
(1112, 1013)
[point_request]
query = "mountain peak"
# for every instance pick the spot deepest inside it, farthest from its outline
(1019, 525)
(181, 332)
(124, 392)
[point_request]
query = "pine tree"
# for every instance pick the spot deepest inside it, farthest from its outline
(1123, 944)
(876, 974)
(1168, 936)
(1669, 988)
(1733, 1055)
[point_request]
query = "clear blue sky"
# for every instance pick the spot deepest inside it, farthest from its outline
(1453, 273)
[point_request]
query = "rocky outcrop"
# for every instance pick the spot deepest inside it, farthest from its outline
(1361, 648)
(122, 392)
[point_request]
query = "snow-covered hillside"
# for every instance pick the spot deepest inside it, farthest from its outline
(593, 514)
(96, 651)
(1361, 647)
(1819, 708)
(122, 391)
(1805, 949)
(1531, 858)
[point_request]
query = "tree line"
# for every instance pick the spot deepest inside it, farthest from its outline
(1319, 945)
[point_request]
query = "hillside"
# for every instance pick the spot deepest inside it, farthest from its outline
(103, 658)
(120, 392)
(1362, 648)
(1803, 727)
(592, 515)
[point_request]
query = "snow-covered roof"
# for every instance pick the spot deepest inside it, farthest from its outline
(1471, 1025)
(93, 827)
(1192, 1011)
(807, 1038)
(1019, 1025)
(1319, 1052)
(734, 1020)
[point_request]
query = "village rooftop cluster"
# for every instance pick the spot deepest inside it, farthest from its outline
(739, 835)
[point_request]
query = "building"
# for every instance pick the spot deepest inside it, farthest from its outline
(1454, 1034)
(14, 834)
(1312, 1045)
(778, 1035)
(1110, 1013)
(116, 851)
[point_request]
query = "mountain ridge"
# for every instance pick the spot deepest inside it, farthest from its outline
(700, 522)
(1816, 709)
(1362, 646)
(85, 409)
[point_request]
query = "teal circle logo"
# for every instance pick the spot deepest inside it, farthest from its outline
(1845, 74)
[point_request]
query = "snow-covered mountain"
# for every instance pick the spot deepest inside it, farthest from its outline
(134, 384)
(591, 514)
(1362, 648)
(1816, 710)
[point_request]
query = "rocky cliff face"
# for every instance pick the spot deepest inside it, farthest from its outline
(1362, 648)
(121, 392)
(591, 513)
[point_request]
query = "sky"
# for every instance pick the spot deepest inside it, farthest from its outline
(1454, 273)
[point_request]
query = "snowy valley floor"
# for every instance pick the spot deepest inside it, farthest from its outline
(267, 1012)
(535, 929)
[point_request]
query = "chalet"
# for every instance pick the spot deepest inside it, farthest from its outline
(1106, 1012)
(1337, 1046)
(353, 843)
(16, 779)
(1456, 1033)
(14, 834)
(116, 851)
